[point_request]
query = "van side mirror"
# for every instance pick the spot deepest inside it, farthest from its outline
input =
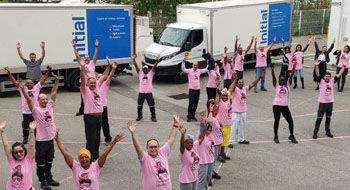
(155, 39)
(187, 46)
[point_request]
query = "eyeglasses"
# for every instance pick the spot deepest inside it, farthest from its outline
(18, 152)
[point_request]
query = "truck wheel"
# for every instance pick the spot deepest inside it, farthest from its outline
(180, 76)
(74, 81)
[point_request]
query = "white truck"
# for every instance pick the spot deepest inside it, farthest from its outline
(209, 27)
(339, 26)
(58, 25)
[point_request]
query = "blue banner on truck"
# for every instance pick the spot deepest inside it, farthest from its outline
(279, 22)
(110, 26)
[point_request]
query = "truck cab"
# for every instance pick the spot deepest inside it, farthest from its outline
(175, 40)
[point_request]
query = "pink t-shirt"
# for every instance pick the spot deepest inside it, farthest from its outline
(326, 91)
(92, 100)
(281, 95)
(239, 99)
(224, 113)
(20, 174)
(155, 171)
(290, 61)
(343, 59)
(189, 165)
(228, 68)
(33, 94)
(194, 79)
(216, 134)
(45, 123)
(239, 62)
(90, 68)
(299, 56)
(212, 77)
(261, 57)
(145, 82)
(206, 150)
(104, 88)
(86, 179)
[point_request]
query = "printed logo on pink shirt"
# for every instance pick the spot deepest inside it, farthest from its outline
(85, 182)
(17, 177)
(282, 93)
(328, 91)
(162, 174)
(30, 94)
(243, 98)
(48, 117)
(211, 147)
(97, 98)
(195, 162)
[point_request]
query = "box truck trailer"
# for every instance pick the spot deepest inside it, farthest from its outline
(209, 27)
(58, 25)
(339, 26)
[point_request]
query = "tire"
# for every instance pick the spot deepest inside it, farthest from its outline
(74, 81)
(180, 77)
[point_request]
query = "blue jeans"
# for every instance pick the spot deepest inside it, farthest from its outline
(300, 72)
(258, 72)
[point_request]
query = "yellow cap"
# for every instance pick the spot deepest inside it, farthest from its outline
(84, 151)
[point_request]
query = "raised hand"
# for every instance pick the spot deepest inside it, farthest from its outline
(256, 39)
(225, 49)
(334, 40)
(3, 125)
(317, 62)
(108, 61)
(182, 130)
(74, 43)
(131, 127)
(54, 76)
(7, 70)
(252, 38)
(32, 125)
(158, 57)
(119, 137)
(115, 65)
(234, 75)
(96, 43)
(133, 56)
(49, 69)
(42, 44)
(217, 81)
(237, 38)
(176, 118)
(18, 45)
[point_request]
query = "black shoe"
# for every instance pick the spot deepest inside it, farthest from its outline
(216, 175)
(294, 87)
(194, 119)
(340, 90)
(244, 142)
(153, 119)
(292, 139)
(189, 119)
(276, 140)
(139, 118)
(263, 89)
(210, 183)
(221, 159)
(314, 136)
(79, 113)
(53, 182)
(25, 141)
(225, 157)
(45, 186)
(230, 146)
(329, 135)
(317, 88)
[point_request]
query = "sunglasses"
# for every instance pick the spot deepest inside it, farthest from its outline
(19, 152)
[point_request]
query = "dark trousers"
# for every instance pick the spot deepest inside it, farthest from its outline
(150, 101)
(81, 109)
(44, 155)
(227, 83)
(343, 77)
(324, 108)
(211, 93)
(27, 118)
(277, 110)
(239, 74)
(105, 125)
(192, 103)
(92, 134)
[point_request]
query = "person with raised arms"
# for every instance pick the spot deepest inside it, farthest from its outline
(194, 87)
(21, 160)
(229, 66)
(281, 102)
(342, 56)
(89, 67)
(86, 173)
(33, 91)
(145, 88)
(261, 62)
(154, 162)
(299, 57)
(326, 98)
(33, 65)
(45, 132)
(239, 107)
(92, 110)
(238, 57)
(287, 60)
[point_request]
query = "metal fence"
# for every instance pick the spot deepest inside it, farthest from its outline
(305, 22)
(308, 22)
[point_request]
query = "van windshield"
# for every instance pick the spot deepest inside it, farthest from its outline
(173, 37)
